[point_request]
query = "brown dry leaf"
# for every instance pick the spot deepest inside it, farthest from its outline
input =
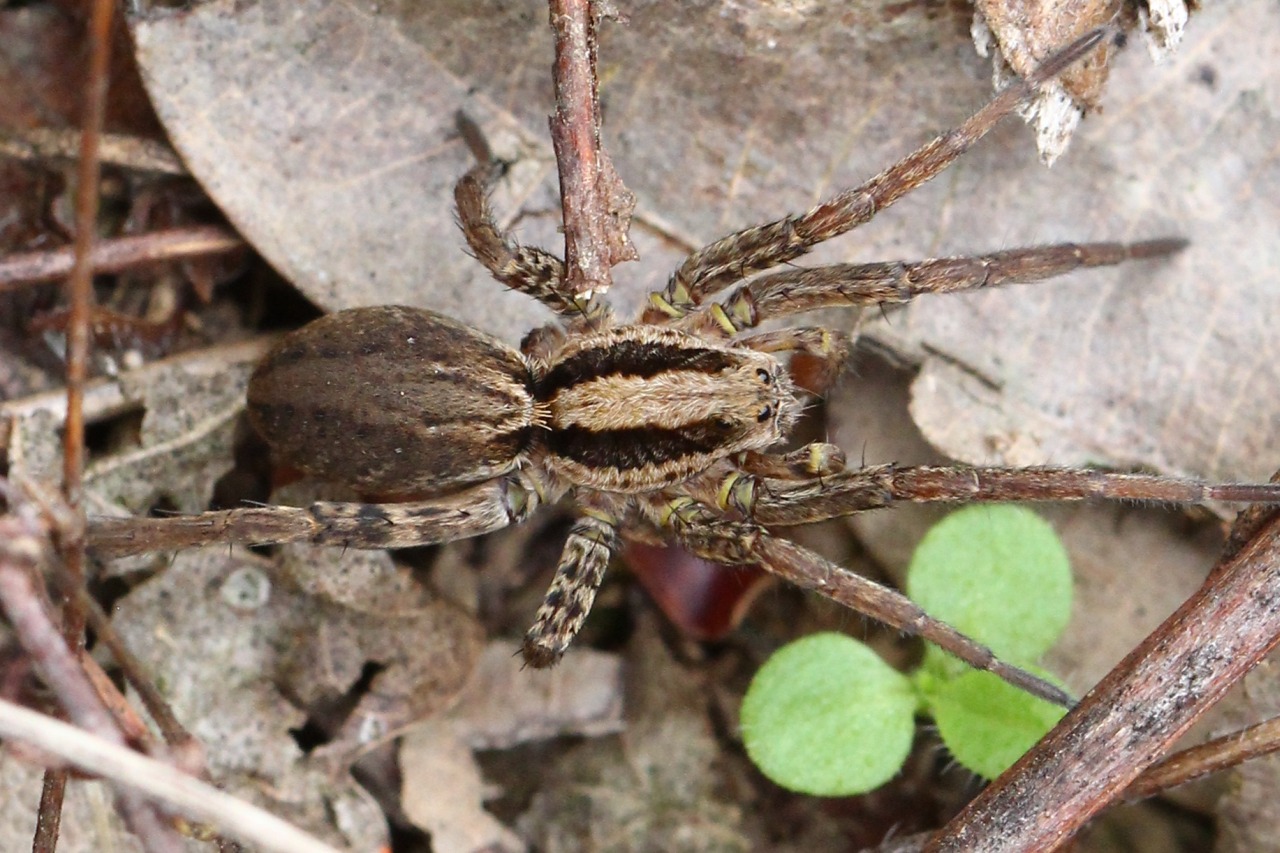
(326, 132)
(1171, 366)
(329, 139)
(443, 793)
(505, 704)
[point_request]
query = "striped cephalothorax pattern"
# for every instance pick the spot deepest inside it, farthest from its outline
(657, 429)
(637, 408)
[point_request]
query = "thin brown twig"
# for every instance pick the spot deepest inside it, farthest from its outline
(597, 207)
(80, 295)
(80, 300)
(49, 817)
(25, 606)
(175, 735)
(128, 152)
(118, 254)
(22, 555)
(1210, 757)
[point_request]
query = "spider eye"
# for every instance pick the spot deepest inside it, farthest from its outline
(765, 414)
(723, 423)
(765, 376)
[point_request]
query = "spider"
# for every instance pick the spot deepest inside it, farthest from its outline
(659, 429)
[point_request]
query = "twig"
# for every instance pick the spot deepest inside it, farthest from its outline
(80, 299)
(21, 557)
(1125, 723)
(119, 253)
(49, 816)
(175, 735)
(597, 207)
(80, 295)
(184, 794)
(1209, 757)
(129, 152)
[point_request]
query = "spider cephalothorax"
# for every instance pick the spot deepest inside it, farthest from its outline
(660, 429)
(637, 408)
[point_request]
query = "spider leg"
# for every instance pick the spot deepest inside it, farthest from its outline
(733, 258)
(808, 570)
(480, 509)
(796, 290)
(782, 502)
(734, 543)
(528, 269)
(591, 543)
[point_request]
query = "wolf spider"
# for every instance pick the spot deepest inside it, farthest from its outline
(659, 429)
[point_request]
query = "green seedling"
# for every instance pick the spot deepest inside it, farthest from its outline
(826, 716)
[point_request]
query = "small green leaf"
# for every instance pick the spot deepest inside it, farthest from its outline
(988, 724)
(826, 716)
(997, 573)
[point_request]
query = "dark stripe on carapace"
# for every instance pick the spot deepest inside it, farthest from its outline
(631, 358)
(629, 449)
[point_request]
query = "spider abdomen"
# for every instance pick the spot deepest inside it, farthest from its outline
(637, 408)
(395, 400)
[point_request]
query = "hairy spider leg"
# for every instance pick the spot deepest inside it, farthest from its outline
(753, 250)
